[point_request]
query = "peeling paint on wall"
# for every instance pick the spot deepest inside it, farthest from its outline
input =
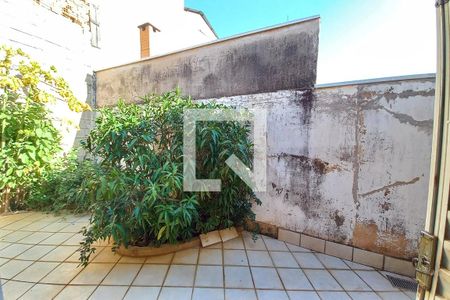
(349, 164)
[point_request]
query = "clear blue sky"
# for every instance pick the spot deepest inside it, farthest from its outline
(358, 39)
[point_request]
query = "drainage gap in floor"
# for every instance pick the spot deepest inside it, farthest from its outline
(407, 284)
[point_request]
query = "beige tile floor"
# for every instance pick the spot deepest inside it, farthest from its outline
(38, 260)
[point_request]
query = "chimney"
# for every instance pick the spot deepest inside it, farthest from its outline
(144, 34)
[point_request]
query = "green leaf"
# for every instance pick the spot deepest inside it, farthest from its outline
(161, 232)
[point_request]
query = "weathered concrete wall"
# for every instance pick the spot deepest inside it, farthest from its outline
(283, 57)
(349, 163)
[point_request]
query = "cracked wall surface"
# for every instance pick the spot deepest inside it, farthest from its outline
(349, 164)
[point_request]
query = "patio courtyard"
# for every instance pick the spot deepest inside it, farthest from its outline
(39, 260)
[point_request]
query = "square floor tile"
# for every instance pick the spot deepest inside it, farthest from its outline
(60, 253)
(56, 239)
(274, 245)
(238, 277)
(107, 255)
(79, 292)
(13, 267)
(132, 260)
(235, 257)
(171, 293)
(364, 295)
(376, 281)
(15, 289)
(93, 274)
(356, 266)
(4, 232)
(214, 246)
(73, 227)
(75, 240)
(251, 244)
(18, 225)
(271, 295)
(109, 292)
(188, 256)
(160, 259)
(210, 257)
(331, 262)
(283, 260)
(308, 261)
(240, 294)
(35, 238)
(15, 236)
(36, 271)
(14, 250)
(142, 293)
(334, 296)
(349, 280)
(208, 294)
(3, 261)
(180, 275)
(54, 227)
(266, 278)
(36, 252)
(151, 275)
(322, 280)
(42, 291)
(393, 296)
(236, 244)
(259, 258)
(294, 279)
(62, 274)
(36, 226)
(303, 295)
(209, 276)
(75, 257)
(294, 248)
(4, 245)
(122, 274)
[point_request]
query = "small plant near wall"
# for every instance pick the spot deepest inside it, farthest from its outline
(139, 199)
(29, 142)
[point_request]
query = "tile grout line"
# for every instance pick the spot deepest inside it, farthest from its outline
(275, 267)
(134, 278)
(165, 276)
(223, 267)
(248, 260)
(301, 269)
(101, 281)
(68, 283)
(195, 273)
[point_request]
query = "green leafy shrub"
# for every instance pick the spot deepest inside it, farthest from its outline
(68, 186)
(29, 143)
(139, 200)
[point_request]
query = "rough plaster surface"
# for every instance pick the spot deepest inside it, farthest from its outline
(349, 164)
(274, 59)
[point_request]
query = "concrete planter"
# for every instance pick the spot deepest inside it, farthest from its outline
(136, 251)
